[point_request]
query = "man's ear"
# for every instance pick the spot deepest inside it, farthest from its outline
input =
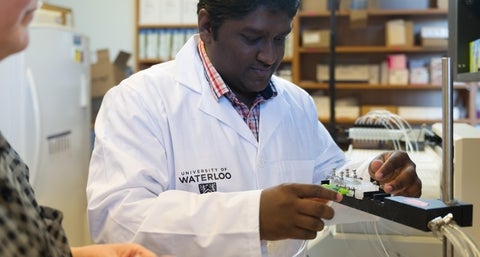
(204, 26)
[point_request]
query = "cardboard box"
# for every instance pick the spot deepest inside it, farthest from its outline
(396, 61)
(435, 36)
(442, 4)
(419, 76)
(104, 74)
(398, 77)
(424, 112)
(364, 109)
(434, 42)
(344, 5)
(436, 71)
(347, 112)
(315, 38)
(346, 108)
(374, 74)
(434, 32)
(314, 5)
(344, 72)
(399, 33)
(65, 15)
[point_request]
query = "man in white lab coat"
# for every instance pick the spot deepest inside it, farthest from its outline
(212, 155)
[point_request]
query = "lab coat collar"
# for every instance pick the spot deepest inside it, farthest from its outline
(189, 69)
(272, 113)
(190, 73)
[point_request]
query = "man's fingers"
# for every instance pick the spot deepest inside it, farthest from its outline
(295, 211)
(376, 164)
(316, 209)
(316, 191)
(309, 223)
(404, 185)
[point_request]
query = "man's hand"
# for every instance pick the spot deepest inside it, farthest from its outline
(295, 211)
(396, 173)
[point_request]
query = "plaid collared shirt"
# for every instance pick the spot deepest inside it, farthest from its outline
(251, 115)
(26, 228)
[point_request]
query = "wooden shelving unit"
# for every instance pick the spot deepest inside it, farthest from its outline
(373, 49)
(365, 44)
(142, 63)
(366, 86)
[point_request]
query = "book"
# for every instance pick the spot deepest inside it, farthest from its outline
(474, 55)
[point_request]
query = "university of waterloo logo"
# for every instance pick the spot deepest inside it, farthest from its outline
(207, 188)
(205, 178)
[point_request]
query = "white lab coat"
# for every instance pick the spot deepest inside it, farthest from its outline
(162, 139)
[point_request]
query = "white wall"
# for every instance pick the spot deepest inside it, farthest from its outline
(108, 23)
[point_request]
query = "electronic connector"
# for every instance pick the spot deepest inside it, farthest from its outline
(413, 212)
(348, 183)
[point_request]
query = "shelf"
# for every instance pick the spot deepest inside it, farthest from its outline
(364, 45)
(367, 45)
(155, 61)
(432, 12)
(366, 86)
(374, 49)
(349, 121)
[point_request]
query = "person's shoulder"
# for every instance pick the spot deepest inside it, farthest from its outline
(153, 74)
(159, 69)
(146, 82)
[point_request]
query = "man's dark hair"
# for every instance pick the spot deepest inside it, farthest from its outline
(221, 10)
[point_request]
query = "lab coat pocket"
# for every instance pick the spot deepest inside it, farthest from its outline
(291, 171)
